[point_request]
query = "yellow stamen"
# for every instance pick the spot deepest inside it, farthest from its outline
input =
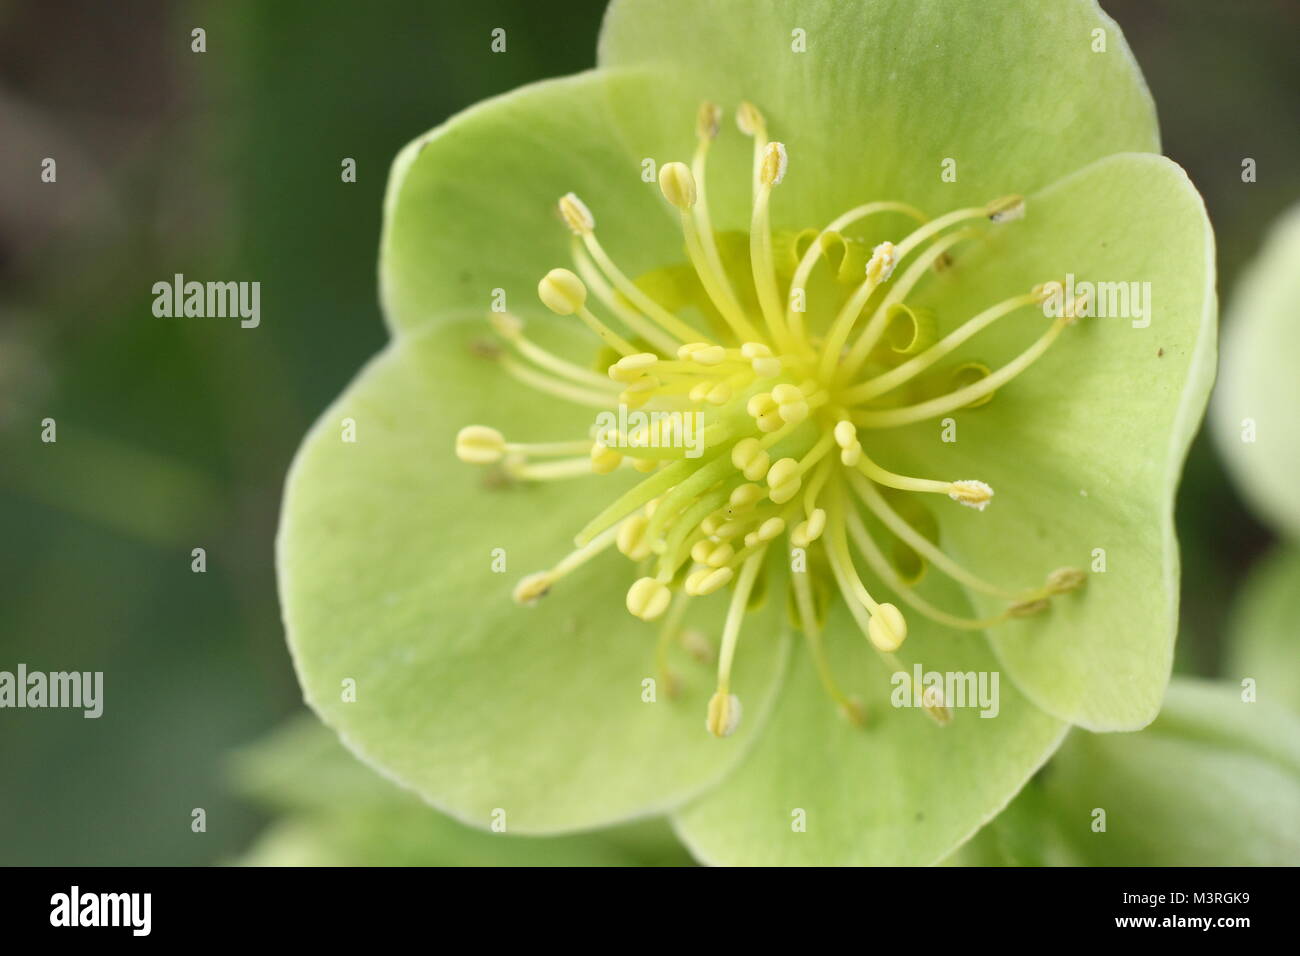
(678, 186)
(771, 172)
(960, 398)
(724, 708)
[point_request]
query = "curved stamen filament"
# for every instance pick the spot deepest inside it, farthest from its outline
(883, 259)
(771, 172)
(897, 376)
(535, 586)
(901, 287)
(881, 566)
(677, 183)
(722, 719)
(550, 470)
(849, 707)
(922, 545)
(752, 123)
(623, 284)
(634, 320)
(552, 386)
(837, 552)
(545, 448)
(668, 633)
(510, 328)
(960, 398)
(802, 272)
(706, 129)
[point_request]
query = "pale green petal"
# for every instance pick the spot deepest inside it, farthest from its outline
(385, 554)
(885, 92)
(1083, 450)
(902, 791)
(471, 206)
(1255, 407)
(338, 812)
(1264, 632)
(1214, 781)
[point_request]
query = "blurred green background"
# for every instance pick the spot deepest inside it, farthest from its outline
(177, 435)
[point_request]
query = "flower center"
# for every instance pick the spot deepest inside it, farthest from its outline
(773, 405)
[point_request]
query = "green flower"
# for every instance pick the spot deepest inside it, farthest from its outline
(1254, 409)
(859, 313)
(1258, 435)
(1214, 781)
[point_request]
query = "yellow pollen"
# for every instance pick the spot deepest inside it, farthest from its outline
(576, 215)
(974, 494)
(774, 165)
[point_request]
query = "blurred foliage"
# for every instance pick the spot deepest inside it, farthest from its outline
(335, 811)
(175, 435)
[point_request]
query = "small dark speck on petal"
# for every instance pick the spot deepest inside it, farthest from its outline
(1160, 353)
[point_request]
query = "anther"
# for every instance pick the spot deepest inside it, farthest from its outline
(846, 436)
(562, 292)
(677, 184)
(532, 588)
(881, 264)
(709, 355)
(707, 580)
(784, 480)
(724, 714)
(509, 327)
(648, 598)
(810, 529)
(576, 215)
(1028, 608)
(973, 494)
(1064, 580)
(604, 459)
(631, 539)
(887, 628)
(749, 456)
(749, 120)
(480, 445)
(632, 367)
(708, 121)
(1005, 209)
(775, 163)
(745, 496)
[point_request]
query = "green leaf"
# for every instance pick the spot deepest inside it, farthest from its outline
(1213, 782)
(385, 565)
(901, 791)
(883, 94)
(338, 812)
(1255, 418)
(1263, 636)
(1085, 448)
